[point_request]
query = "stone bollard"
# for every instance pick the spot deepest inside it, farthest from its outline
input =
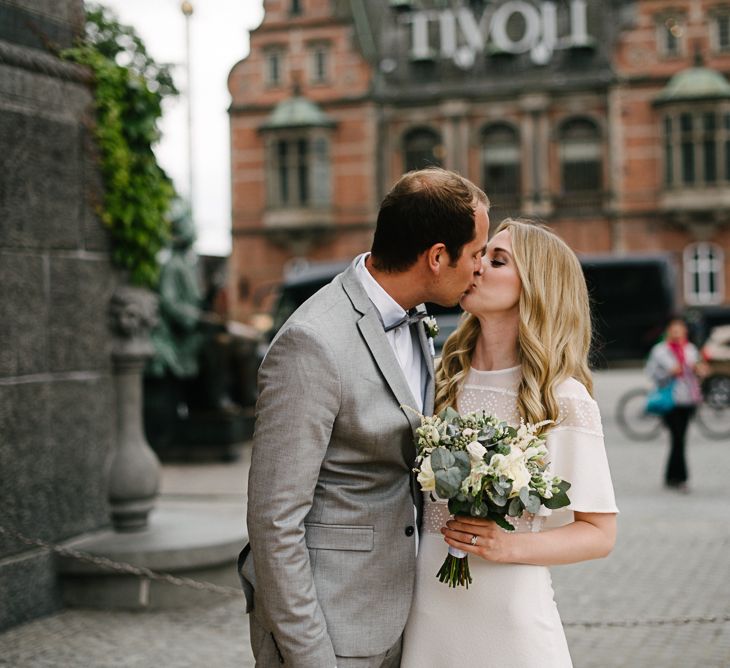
(135, 470)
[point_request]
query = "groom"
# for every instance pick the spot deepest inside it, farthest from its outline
(330, 567)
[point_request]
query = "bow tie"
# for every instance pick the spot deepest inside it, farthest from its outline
(412, 317)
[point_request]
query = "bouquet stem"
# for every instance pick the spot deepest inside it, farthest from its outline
(455, 569)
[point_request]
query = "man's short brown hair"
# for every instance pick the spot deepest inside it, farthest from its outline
(425, 207)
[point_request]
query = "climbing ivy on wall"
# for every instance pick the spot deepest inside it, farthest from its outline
(129, 88)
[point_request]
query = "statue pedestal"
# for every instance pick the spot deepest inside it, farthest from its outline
(135, 470)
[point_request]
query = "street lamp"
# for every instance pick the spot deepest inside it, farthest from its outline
(187, 10)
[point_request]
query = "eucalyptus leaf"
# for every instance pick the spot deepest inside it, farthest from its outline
(448, 482)
(525, 495)
(515, 507)
(441, 458)
(533, 503)
(448, 414)
(462, 462)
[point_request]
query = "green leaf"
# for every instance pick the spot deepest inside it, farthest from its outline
(459, 506)
(501, 521)
(448, 482)
(515, 507)
(557, 501)
(462, 462)
(448, 414)
(441, 458)
(533, 503)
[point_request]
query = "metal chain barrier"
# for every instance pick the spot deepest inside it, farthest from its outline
(120, 567)
(129, 569)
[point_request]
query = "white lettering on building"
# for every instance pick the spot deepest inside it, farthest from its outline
(461, 37)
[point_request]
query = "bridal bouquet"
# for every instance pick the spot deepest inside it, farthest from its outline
(485, 468)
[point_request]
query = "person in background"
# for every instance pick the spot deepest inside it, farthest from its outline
(676, 359)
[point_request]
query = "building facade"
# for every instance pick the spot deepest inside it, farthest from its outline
(608, 120)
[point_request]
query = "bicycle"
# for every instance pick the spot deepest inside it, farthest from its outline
(712, 415)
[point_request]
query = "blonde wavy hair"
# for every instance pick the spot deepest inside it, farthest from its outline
(554, 330)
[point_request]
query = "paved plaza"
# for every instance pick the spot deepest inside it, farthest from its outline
(646, 606)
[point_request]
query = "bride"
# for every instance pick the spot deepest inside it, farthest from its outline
(521, 352)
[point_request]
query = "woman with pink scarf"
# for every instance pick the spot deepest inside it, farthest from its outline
(676, 360)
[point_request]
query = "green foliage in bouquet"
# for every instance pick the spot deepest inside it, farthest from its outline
(129, 88)
(484, 468)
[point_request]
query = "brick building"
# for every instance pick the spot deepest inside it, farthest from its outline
(609, 120)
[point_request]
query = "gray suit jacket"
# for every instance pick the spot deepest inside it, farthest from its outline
(332, 556)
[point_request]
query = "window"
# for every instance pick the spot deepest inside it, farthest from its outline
(721, 30)
(704, 269)
(422, 147)
(274, 60)
(581, 161)
(320, 63)
(299, 172)
(501, 176)
(670, 31)
(295, 7)
(696, 148)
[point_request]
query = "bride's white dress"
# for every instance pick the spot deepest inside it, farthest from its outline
(508, 617)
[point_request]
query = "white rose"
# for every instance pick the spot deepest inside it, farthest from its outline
(434, 435)
(476, 451)
(512, 466)
(425, 477)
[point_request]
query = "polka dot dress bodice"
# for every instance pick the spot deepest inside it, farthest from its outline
(496, 393)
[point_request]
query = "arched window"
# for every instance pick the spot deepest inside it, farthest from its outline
(501, 176)
(422, 147)
(581, 161)
(704, 272)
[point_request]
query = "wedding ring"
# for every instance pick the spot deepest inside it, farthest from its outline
(474, 539)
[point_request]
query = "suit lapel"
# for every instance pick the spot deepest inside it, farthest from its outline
(371, 329)
(430, 380)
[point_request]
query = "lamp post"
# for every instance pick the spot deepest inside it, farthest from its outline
(187, 10)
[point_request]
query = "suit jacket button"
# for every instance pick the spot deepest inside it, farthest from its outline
(410, 531)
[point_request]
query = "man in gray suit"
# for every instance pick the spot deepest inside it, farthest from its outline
(330, 567)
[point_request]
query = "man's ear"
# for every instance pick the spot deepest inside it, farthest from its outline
(436, 258)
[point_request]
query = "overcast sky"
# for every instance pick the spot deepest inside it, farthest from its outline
(219, 39)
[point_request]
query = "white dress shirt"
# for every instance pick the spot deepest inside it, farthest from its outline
(403, 340)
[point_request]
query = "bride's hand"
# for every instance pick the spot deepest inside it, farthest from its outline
(491, 542)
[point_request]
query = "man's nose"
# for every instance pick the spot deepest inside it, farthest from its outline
(479, 268)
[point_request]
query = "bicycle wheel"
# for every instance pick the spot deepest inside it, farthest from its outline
(633, 419)
(713, 414)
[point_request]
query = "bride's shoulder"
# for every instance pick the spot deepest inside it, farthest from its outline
(571, 388)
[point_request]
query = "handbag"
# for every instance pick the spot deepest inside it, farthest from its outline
(661, 400)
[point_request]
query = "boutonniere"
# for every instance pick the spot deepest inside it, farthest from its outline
(432, 329)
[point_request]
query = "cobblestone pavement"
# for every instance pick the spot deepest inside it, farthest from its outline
(671, 562)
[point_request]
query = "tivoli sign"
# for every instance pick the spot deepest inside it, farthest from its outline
(461, 36)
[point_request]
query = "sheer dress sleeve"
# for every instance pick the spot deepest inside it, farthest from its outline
(578, 453)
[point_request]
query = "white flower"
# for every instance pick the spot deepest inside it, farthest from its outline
(473, 482)
(432, 328)
(434, 435)
(476, 451)
(512, 467)
(425, 477)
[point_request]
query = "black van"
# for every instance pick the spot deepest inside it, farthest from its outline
(632, 297)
